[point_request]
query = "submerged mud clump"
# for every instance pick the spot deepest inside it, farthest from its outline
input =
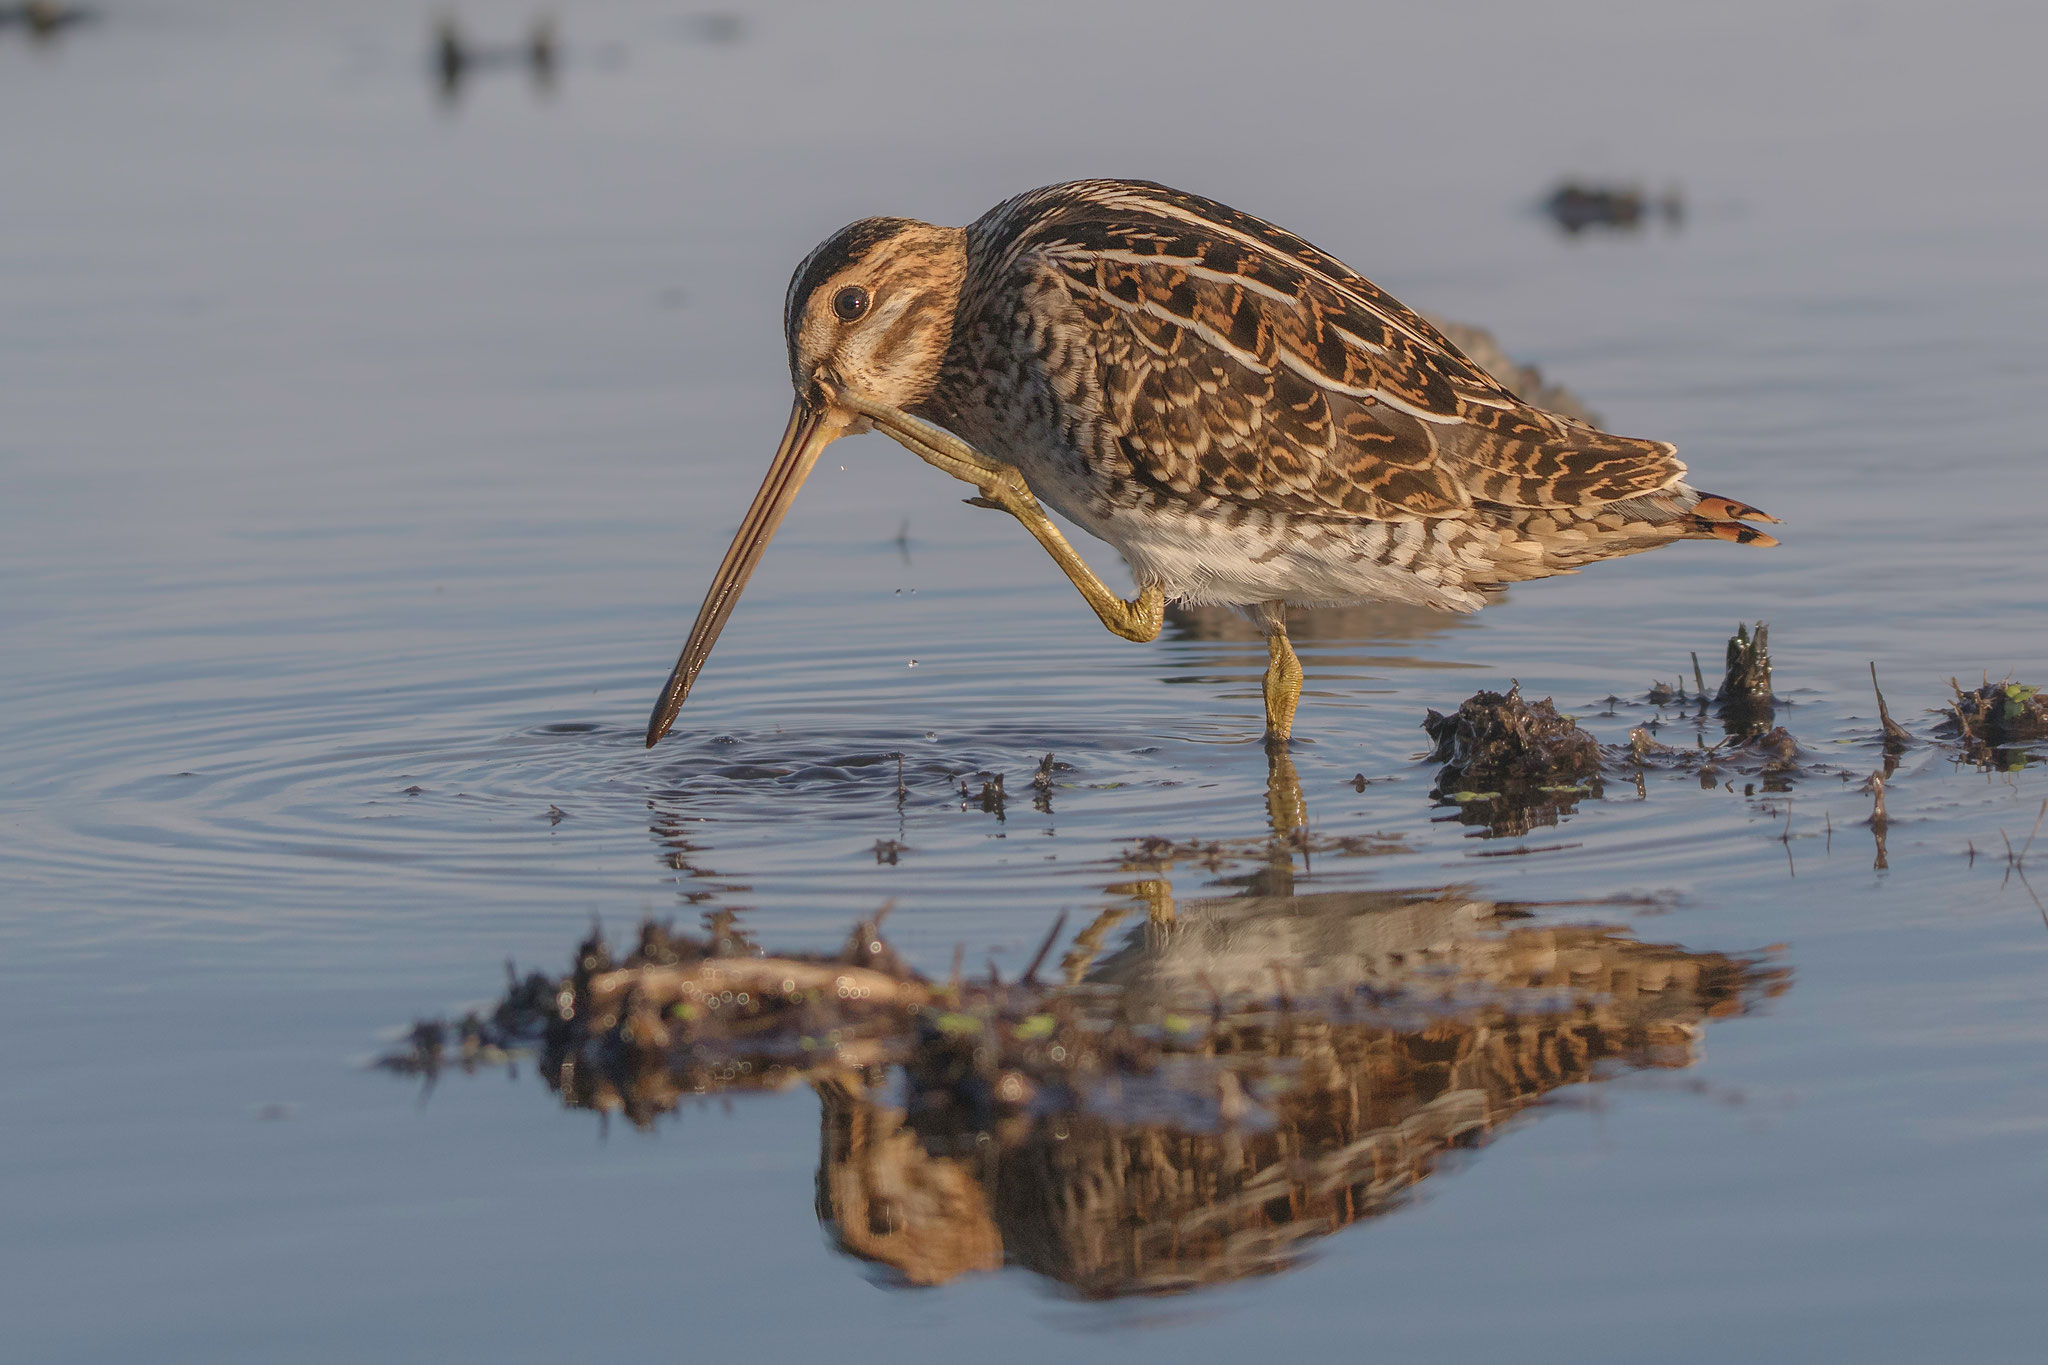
(1194, 1108)
(1998, 715)
(1512, 765)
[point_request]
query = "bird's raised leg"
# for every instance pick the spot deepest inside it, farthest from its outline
(1138, 620)
(1283, 676)
(1002, 486)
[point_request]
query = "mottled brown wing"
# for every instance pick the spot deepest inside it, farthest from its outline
(1236, 361)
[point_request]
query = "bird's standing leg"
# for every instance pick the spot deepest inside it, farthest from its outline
(1002, 486)
(1283, 676)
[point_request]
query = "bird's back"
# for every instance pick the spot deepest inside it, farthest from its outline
(1202, 359)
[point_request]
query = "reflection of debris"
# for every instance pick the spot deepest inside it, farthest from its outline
(1744, 701)
(1154, 854)
(738, 1019)
(1993, 720)
(1511, 765)
(888, 851)
(1207, 1101)
(1575, 206)
(1525, 381)
(2016, 859)
(1879, 821)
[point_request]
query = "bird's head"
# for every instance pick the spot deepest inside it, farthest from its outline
(869, 313)
(868, 318)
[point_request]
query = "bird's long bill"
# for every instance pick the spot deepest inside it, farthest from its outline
(811, 429)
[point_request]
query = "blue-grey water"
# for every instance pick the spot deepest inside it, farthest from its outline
(364, 453)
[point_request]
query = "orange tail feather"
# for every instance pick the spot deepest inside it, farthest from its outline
(1722, 518)
(1713, 507)
(1733, 531)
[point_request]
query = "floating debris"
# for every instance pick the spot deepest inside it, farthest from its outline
(1042, 783)
(1194, 1109)
(1662, 694)
(1997, 720)
(1577, 205)
(989, 800)
(1512, 765)
(455, 57)
(1497, 738)
(1773, 756)
(43, 20)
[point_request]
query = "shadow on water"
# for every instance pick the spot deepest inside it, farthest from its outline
(1235, 1078)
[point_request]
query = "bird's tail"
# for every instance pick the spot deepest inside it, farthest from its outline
(1714, 517)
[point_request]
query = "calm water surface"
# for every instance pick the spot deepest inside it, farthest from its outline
(365, 452)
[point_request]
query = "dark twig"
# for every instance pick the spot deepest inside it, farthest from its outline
(1895, 736)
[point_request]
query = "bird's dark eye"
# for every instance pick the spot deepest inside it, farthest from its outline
(850, 302)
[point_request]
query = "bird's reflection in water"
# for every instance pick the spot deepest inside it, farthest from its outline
(1202, 1087)
(1460, 1014)
(1193, 1094)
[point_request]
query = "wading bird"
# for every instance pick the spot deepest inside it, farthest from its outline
(1246, 419)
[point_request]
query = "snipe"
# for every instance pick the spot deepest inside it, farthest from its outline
(1246, 419)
